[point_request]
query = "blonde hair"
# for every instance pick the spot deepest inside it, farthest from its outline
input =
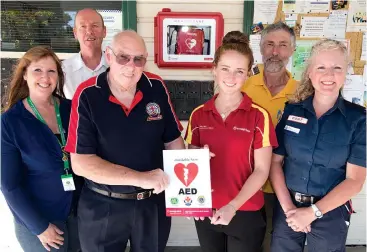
(305, 88)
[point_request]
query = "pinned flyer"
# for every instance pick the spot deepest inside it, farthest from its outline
(189, 192)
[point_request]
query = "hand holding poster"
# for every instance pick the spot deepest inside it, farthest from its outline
(189, 192)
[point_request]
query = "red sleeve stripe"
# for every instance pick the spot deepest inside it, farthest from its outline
(156, 77)
(72, 141)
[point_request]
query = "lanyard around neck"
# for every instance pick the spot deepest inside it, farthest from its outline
(59, 124)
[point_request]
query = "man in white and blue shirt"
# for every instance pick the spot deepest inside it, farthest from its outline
(89, 30)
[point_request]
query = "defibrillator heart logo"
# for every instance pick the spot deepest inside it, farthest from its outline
(191, 43)
(186, 174)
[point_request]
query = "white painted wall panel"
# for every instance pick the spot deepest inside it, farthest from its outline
(233, 9)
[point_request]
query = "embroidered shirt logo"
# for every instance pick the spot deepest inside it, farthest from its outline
(241, 129)
(205, 127)
(154, 111)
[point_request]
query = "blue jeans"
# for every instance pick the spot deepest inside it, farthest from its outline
(30, 242)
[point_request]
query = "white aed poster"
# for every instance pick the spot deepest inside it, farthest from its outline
(189, 192)
(113, 21)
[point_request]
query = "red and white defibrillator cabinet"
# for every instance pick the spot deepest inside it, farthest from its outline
(186, 39)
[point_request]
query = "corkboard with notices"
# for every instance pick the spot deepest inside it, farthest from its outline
(344, 20)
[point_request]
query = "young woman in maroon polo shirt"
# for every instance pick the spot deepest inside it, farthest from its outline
(241, 136)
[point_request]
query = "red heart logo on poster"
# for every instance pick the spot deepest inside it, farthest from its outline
(186, 174)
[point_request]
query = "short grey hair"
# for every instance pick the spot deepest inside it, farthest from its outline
(276, 27)
(130, 33)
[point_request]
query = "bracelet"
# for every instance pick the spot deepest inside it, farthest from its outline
(234, 209)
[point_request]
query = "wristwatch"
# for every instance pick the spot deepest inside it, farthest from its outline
(317, 211)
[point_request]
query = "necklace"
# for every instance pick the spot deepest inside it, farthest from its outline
(224, 114)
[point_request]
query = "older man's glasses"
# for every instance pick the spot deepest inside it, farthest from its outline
(123, 59)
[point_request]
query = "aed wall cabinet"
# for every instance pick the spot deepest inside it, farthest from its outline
(186, 39)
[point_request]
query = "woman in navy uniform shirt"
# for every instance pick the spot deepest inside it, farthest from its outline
(32, 158)
(320, 162)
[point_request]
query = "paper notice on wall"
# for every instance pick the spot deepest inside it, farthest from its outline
(318, 6)
(289, 6)
(291, 19)
(265, 11)
(354, 89)
(301, 7)
(354, 82)
(354, 96)
(312, 6)
(357, 16)
(364, 45)
(255, 46)
(300, 56)
(313, 27)
(336, 24)
(113, 22)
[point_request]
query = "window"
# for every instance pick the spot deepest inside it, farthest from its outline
(25, 24)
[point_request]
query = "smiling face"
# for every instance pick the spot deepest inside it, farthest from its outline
(276, 49)
(128, 45)
(41, 77)
(328, 71)
(89, 30)
(231, 71)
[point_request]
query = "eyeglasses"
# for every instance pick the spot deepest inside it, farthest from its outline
(123, 59)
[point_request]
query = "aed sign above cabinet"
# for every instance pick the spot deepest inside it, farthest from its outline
(186, 39)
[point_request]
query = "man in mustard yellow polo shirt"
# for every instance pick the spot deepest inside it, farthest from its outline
(270, 87)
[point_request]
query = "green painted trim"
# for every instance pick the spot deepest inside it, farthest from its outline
(129, 19)
(248, 16)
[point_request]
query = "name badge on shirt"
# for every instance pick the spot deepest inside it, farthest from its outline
(292, 129)
(68, 182)
(297, 119)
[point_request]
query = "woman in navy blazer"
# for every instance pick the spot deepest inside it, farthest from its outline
(34, 128)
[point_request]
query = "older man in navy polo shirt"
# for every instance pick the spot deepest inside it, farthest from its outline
(121, 120)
